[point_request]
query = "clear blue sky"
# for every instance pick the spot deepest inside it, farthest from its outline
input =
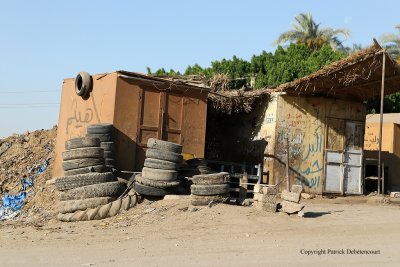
(43, 42)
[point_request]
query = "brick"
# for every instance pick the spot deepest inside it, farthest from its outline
(269, 190)
(290, 196)
(297, 189)
(291, 207)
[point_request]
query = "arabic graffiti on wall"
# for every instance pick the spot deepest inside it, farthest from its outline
(304, 129)
(77, 123)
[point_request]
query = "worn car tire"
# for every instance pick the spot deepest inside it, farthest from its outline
(81, 142)
(205, 200)
(109, 154)
(155, 183)
(68, 206)
(159, 174)
(108, 146)
(152, 191)
(101, 128)
(110, 161)
(163, 155)
(210, 179)
(164, 145)
(71, 182)
(160, 164)
(73, 164)
(104, 137)
(110, 189)
(83, 84)
(209, 190)
(81, 153)
(89, 169)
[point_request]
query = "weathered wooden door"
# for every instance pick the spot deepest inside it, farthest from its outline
(353, 158)
(160, 116)
(343, 157)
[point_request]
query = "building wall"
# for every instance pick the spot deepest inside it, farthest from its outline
(303, 121)
(390, 150)
(77, 113)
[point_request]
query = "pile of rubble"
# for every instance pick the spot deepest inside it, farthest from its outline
(25, 166)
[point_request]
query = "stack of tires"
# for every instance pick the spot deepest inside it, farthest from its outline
(159, 174)
(208, 188)
(104, 132)
(87, 191)
(83, 155)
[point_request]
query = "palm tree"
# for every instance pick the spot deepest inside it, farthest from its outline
(392, 43)
(307, 31)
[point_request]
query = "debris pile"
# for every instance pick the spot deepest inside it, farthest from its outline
(291, 200)
(265, 198)
(25, 166)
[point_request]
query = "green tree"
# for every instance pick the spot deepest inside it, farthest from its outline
(306, 31)
(392, 43)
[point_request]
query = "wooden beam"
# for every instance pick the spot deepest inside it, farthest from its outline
(381, 123)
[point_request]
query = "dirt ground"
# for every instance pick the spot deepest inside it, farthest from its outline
(167, 233)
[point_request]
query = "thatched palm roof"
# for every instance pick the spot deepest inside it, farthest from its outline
(356, 77)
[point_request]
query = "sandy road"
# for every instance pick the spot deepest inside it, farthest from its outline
(165, 233)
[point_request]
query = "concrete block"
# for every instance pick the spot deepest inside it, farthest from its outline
(307, 196)
(297, 189)
(291, 207)
(269, 207)
(258, 197)
(395, 194)
(291, 196)
(268, 198)
(258, 188)
(269, 190)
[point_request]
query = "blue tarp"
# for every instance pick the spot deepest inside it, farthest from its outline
(12, 204)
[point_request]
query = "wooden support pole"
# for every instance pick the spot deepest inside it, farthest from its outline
(381, 123)
(287, 165)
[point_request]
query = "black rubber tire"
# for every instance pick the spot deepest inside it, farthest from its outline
(152, 191)
(71, 182)
(110, 189)
(73, 164)
(90, 169)
(210, 179)
(106, 137)
(110, 161)
(108, 146)
(159, 174)
(68, 206)
(160, 164)
(205, 200)
(109, 154)
(82, 153)
(83, 84)
(154, 183)
(209, 190)
(81, 142)
(164, 145)
(101, 128)
(163, 155)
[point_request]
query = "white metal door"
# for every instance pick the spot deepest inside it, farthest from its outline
(353, 156)
(343, 158)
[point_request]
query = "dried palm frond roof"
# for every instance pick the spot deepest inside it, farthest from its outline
(356, 77)
(236, 101)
